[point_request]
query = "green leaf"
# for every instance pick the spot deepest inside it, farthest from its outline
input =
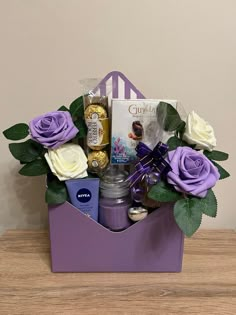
(17, 132)
(27, 151)
(223, 173)
(216, 155)
(164, 192)
(209, 204)
(63, 109)
(80, 124)
(168, 117)
(77, 107)
(188, 215)
(181, 129)
(174, 142)
(35, 168)
(56, 192)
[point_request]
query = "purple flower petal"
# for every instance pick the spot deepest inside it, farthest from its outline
(192, 172)
(53, 129)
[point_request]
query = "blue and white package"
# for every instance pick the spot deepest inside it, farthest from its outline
(84, 194)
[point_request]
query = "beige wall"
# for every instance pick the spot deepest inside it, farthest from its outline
(183, 49)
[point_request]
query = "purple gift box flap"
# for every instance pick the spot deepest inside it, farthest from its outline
(80, 244)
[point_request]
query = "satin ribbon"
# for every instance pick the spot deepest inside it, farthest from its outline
(151, 166)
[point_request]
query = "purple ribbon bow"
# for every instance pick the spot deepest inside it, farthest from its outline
(150, 166)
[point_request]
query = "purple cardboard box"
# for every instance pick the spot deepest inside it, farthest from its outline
(79, 244)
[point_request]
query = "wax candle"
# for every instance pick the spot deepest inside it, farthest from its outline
(115, 200)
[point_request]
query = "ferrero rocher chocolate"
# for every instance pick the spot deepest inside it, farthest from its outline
(98, 160)
(98, 126)
(97, 148)
(95, 111)
(95, 99)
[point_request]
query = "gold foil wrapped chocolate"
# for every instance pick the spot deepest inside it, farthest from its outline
(98, 127)
(96, 100)
(97, 160)
(97, 148)
(95, 111)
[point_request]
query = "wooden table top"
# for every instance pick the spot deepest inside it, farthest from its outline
(207, 284)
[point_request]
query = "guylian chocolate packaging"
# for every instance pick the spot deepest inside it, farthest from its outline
(133, 121)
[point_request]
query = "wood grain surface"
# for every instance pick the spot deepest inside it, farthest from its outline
(207, 284)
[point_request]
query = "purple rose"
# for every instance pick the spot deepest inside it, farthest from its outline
(53, 129)
(192, 172)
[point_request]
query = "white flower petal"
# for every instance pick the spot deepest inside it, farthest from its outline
(199, 132)
(68, 161)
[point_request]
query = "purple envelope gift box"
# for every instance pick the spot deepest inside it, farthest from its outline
(80, 244)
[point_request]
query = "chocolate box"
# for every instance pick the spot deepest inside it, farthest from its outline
(139, 123)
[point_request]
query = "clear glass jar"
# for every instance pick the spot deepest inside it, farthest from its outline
(115, 200)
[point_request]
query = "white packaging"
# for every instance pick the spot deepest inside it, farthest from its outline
(134, 121)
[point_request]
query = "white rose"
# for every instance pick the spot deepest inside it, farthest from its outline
(199, 132)
(68, 161)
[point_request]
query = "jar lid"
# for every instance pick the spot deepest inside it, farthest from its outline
(113, 184)
(114, 175)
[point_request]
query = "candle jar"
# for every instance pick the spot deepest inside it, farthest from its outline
(115, 200)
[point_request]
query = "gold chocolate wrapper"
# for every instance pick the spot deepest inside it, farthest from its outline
(95, 100)
(94, 111)
(97, 148)
(98, 127)
(98, 160)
